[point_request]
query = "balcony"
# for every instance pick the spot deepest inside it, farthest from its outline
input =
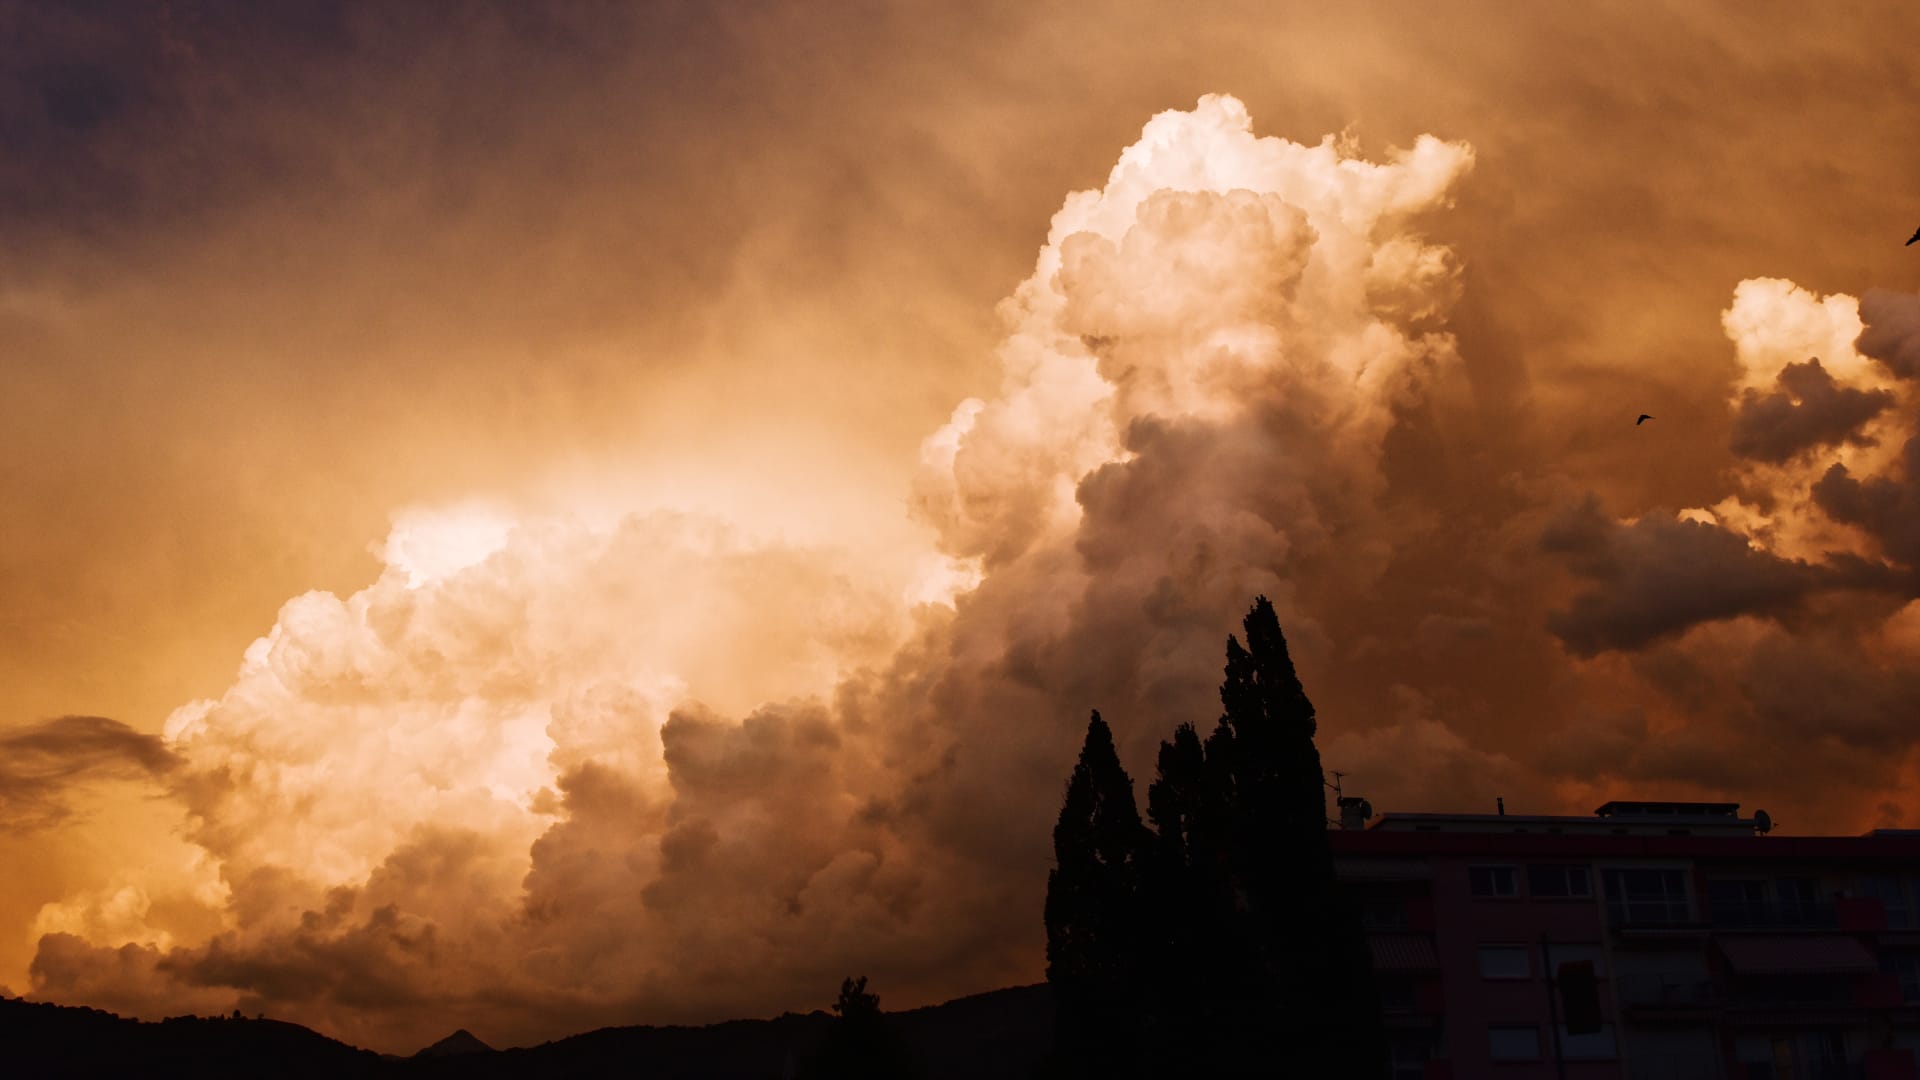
(1676, 1068)
(1771, 915)
(1649, 912)
(1653, 991)
(1775, 992)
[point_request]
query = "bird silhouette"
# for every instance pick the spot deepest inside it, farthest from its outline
(1643, 419)
(1916, 236)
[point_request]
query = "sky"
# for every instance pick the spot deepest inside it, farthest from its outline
(534, 518)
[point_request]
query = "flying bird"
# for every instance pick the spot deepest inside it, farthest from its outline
(1643, 419)
(1916, 236)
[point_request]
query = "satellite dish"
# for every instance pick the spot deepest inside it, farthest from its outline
(1762, 822)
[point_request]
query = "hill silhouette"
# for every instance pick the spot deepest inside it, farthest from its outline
(999, 1033)
(62, 1041)
(456, 1044)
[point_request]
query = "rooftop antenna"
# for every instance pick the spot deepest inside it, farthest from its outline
(1762, 822)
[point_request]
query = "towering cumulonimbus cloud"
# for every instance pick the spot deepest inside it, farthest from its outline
(551, 772)
(541, 775)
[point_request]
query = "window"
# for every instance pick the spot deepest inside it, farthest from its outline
(1383, 912)
(1557, 880)
(1593, 1046)
(1799, 900)
(1397, 993)
(1410, 1054)
(1493, 881)
(1892, 894)
(1646, 896)
(1504, 962)
(1514, 1042)
(1737, 903)
(1907, 966)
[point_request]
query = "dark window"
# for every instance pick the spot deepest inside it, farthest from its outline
(1906, 965)
(1591, 1046)
(1556, 880)
(1383, 913)
(1513, 1042)
(1397, 993)
(1493, 881)
(1410, 1053)
(1892, 893)
(1646, 896)
(1504, 962)
(1798, 899)
(1753, 904)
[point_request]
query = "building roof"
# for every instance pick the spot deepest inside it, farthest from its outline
(1626, 808)
(1614, 823)
(1377, 842)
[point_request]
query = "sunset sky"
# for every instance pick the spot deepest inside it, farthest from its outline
(528, 517)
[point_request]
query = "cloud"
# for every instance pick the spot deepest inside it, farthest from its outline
(663, 768)
(1661, 575)
(44, 765)
(1886, 507)
(553, 768)
(1891, 330)
(1809, 410)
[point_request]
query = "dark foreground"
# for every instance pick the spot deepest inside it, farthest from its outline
(1003, 1033)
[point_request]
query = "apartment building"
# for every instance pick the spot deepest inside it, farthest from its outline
(1715, 947)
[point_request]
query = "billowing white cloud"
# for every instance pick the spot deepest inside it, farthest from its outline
(542, 774)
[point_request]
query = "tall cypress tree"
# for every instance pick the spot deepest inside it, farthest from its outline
(1216, 944)
(1192, 950)
(1307, 949)
(1093, 915)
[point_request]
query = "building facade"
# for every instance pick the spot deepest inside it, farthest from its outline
(1718, 950)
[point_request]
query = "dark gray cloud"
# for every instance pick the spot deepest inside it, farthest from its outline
(1660, 576)
(1808, 410)
(1892, 334)
(1887, 507)
(42, 765)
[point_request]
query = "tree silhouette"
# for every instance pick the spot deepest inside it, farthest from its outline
(1309, 969)
(861, 1044)
(1093, 914)
(1191, 955)
(1217, 944)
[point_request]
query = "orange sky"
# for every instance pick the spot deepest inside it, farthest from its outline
(568, 402)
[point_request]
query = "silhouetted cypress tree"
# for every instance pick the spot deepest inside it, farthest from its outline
(1093, 915)
(1216, 945)
(1309, 964)
(1191, 954)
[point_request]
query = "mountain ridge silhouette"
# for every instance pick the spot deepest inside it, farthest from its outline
(1002, 1032)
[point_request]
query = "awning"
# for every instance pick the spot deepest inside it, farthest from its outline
(1797, 955)
(1403, 952)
